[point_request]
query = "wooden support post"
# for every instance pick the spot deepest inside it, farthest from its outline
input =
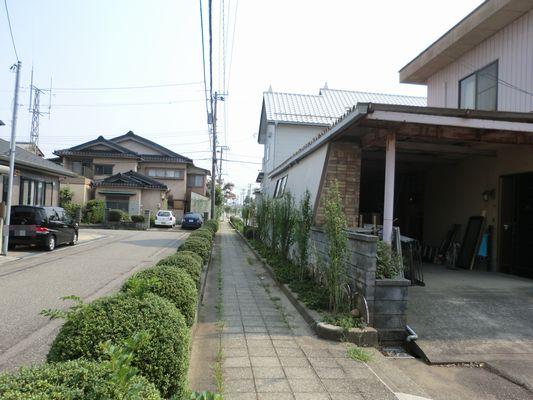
(388, 204)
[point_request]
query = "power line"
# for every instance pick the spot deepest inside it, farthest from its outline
(11, 31)
(128, 104)
(130, 87)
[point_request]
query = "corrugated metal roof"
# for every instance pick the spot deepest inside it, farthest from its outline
(326, 107)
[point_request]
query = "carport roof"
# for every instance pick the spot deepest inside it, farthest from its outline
(368, 123)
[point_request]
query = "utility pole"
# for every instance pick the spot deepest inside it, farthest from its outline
(214, 156)
(222, 148)
(12, 147)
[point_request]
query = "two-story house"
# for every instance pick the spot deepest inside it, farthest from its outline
(133, 174)
(468, 153)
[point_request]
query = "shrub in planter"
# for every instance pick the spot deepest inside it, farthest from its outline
(169, 282)
(388, 264)
(200, 246)
(188, 261)
(163, 359)
(203, 233)
(137, 218)
(118, 216)
(249, 232)
(73, 380)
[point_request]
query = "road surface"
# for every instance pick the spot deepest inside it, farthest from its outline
(95, 267)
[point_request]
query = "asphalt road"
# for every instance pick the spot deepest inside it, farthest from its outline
(95, 267)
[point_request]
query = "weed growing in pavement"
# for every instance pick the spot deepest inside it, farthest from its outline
(219, 378)
(250, 260)
(219, 307)
(358, 354)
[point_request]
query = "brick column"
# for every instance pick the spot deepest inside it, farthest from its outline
(343, 163)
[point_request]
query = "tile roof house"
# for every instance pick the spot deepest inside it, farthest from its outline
(36, 180)
(133, 173)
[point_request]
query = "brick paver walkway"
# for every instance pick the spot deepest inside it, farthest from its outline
(269, 352)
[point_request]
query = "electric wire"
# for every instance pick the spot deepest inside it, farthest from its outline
(11, 30)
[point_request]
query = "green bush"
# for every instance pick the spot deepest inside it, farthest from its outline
(388, 263)
(203, 233)
(94, 212)
(71, 208)
(169, 282)
(72, 380)
(200, 246)
(152, 220)
(249, 232)
(212, 224)
(163, 359)
(236, 222)
(137, 218)
(118, 216)
(183, 260)
(194, 256)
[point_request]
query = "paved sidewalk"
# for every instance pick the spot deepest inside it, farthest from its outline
(269, 352)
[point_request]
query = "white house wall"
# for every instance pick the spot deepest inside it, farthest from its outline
(513, 48)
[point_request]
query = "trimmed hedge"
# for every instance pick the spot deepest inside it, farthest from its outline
(212, 224)
(163, 359)
(72, 380)
(137, 218)
(188, 261)
(171, 283)
(202, 233)
(200, 246)
(118, 216)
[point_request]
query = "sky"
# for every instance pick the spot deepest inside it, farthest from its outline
(86, 49)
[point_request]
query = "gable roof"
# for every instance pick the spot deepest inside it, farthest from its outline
(24, 158)
(131, 179)
(326, 107)
(483, 22)
(132, 136)
(85, 148)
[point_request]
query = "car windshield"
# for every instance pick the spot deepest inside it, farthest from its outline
(163, 214)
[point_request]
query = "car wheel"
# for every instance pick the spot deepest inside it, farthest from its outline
(51, 243)
(74, 240)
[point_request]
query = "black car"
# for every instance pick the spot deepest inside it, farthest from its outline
(42, 226)
(192, 221)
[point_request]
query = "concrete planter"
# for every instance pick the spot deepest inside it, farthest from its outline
(390, 309)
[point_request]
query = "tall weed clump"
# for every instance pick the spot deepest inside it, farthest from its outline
(264, 221)
(284, 220)
(336, 274)
(304, 220)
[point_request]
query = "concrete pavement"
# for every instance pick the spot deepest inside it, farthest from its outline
(90, 269)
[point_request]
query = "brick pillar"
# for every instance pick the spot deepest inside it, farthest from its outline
(343, 163)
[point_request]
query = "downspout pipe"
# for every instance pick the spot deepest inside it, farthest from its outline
(412, 334)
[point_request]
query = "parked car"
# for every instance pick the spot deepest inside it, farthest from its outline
(41, 226)
(165, 218)
(192, 221)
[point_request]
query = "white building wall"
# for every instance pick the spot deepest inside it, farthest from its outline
(290, 138)
(513, 48)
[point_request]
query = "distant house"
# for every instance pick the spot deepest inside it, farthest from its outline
(133, 174)
(36, 180)
(289, 120)
(469, 153)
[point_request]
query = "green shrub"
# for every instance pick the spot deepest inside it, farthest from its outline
(71, 208)
(203, 233)
(388, 264)
(118, 216)
(249, 232)
(94, 212)
(212, 224)
(72, 380)
(186, 260)
(171, 283)
(163, 359)
(152, 220)
(137, 218)
(200, 246)
(236, 222)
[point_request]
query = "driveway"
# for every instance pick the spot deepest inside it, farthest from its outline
(95, 267)
(474, 316)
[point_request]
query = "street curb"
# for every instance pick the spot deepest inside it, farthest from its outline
(201, 290)
(365, 337)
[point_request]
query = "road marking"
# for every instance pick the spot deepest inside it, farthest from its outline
(405, 396)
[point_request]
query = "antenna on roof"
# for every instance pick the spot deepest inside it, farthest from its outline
(325, 85)
(270, 89)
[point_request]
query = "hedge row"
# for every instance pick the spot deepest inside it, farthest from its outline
(160, 301)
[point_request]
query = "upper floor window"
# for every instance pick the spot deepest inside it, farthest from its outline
(195, 180)
(280, 186)
(479, 91)
(165, 173)
(267, 152)
(103, 169)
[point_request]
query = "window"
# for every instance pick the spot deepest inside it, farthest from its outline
(118, 203)
(267, 152)
(32, 192)
(280, 186)
(77, 167)
(165, 173)
(479, 91)
(195, 181)
(103, 169)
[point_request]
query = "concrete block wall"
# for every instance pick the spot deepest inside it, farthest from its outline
(361, 262)
(343, 164)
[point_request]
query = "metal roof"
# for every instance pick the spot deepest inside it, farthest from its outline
(24, 158)
(326, 107)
